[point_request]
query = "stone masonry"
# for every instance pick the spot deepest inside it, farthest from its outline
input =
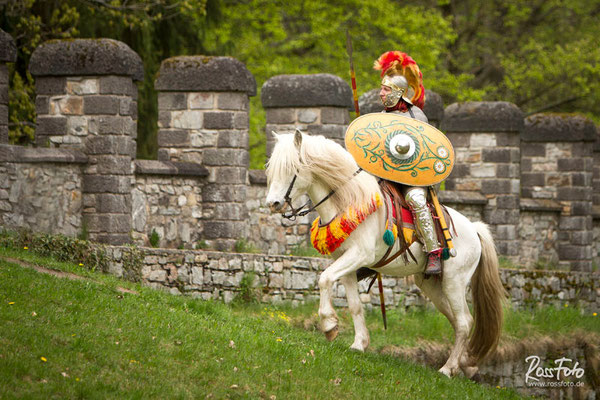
(596, 202)
(203, 118)
(87, 100)
(538, 234)
(200, 192)
(269, 232)
(486, 140)
(41, 189)
(558, 165)
(167, 199)
(8, 53)
(317, 104)
(217, 275)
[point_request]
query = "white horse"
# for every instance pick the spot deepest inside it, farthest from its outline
(313, 165)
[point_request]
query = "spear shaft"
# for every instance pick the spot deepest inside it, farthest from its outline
(352, 74)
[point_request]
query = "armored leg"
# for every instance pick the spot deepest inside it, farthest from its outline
(416, 197)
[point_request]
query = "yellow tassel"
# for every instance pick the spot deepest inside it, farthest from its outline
(336, 230)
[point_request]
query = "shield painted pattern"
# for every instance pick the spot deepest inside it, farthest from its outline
(400, 149)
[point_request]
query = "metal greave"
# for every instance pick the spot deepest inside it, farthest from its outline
(416, 197)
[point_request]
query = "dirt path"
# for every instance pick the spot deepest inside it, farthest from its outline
(59, 274)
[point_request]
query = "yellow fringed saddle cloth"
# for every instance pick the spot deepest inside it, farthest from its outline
(328, 237)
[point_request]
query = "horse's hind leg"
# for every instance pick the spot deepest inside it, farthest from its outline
(361, 333)
(455, 308)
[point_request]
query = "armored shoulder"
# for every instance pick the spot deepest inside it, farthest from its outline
(419, 114)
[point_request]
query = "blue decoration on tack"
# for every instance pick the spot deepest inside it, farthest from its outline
(388, 237)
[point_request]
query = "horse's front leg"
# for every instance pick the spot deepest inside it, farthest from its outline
(346, 264)
(361, 333)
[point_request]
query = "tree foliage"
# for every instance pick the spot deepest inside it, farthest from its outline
(308, 36)
(539, 54)
(155, 29)
(542, 55)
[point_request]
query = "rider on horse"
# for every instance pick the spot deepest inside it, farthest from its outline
(401, 80)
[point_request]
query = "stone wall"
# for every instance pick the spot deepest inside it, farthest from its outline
(538, 236)
(596, 203)
(8, 53)
(485, 136)
(557, 165)
(508, 367)
(167, 200)
(269, 232)
(87, 100)
(316, 104)
(276, 278)
(201, 192)
(217, 275)
(531, 288)
(41, 190)
(203, 118)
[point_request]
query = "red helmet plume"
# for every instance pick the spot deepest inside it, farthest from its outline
(398, 63)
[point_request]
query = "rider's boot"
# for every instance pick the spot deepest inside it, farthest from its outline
(434, 264)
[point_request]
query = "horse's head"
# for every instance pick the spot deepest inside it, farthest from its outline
(287, 180)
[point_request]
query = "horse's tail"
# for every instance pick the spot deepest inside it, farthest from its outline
(488, 298)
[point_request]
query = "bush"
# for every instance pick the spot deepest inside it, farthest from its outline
(60, 247)
(154, 238)
(243, 246)
(248, 292)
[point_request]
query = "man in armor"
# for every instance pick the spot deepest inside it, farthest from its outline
(402, 92)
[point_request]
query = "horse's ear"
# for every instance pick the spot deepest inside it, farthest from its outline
(298, 138)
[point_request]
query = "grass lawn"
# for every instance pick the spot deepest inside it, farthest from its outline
(61, 338)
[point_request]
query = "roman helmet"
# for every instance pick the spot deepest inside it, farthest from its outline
(401, 73)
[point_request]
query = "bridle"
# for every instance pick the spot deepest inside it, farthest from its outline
(299, 212)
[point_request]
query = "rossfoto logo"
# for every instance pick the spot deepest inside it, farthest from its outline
(553, 376)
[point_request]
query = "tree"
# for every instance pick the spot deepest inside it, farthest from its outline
(308, 36)
(541, 55)
(155, 29)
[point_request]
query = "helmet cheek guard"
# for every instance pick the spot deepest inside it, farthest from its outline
(398, 85)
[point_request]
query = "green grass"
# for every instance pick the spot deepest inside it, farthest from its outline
(412, 327)
(100, 343)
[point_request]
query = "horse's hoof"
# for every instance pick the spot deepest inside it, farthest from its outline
(471, 372)
(445, 371)
(360, 345)
(332, 334)
(477, 378)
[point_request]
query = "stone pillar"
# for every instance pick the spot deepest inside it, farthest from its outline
(203, 117)
(316, 104)
(434, 108)
(8, 53)
(486, 140)
(596, 201)
(559, 166)
(596, 177)
(370, 102)
(87, 99)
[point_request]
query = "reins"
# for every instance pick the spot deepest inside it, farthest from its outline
(299, 212)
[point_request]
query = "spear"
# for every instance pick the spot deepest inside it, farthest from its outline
(355, 96)
(352, 75)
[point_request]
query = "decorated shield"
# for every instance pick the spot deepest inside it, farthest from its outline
(400, 149)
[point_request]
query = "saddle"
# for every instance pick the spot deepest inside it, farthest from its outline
(400, 223)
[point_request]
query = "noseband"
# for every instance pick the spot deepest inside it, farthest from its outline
(299, 212)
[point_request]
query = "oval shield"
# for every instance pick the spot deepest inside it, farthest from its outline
(400, 149)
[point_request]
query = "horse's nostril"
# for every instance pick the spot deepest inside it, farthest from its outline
(276, 204)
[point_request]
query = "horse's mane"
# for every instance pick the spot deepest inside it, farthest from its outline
(327, 161)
